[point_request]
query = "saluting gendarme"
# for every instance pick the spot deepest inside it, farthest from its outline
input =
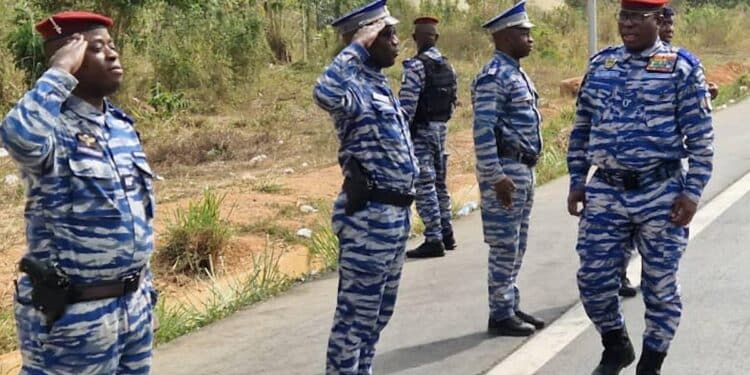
(90, 206)
(371, 214)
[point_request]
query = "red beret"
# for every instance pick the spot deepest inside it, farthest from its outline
(426, 20)
(67, 23)
(645, 3)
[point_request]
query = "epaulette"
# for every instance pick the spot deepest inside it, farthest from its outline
(603, 52)
(411, 63)
(692, 59)
(119, 113)
(493, 68)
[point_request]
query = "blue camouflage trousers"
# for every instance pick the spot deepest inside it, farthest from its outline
(110, 336)
(432, 200)
(506, 232)
(371, 245)
(612, 218)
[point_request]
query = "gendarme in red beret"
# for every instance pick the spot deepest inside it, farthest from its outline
(645, 3)
(68, 23)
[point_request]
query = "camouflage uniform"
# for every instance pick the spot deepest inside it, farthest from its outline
(90, 206)
(505, 106)
(638, 113)
(371, 128)
(433, 200)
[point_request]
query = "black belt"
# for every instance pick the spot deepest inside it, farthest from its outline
(513, 154)
(391, 197)
(632, 180)
(106, 289)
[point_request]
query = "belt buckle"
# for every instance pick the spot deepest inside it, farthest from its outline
(630, 181)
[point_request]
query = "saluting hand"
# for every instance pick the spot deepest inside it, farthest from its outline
(366, 35)
(70, 56)
(504, 191)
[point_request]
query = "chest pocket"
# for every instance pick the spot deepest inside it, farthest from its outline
(389, 121)
(659, 98)
(145, 177)
(93, 187)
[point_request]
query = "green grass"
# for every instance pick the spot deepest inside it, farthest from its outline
(270, 228)
(737, 90)
(267, 185)
(263, 282)
(196, 237)
(324, 245)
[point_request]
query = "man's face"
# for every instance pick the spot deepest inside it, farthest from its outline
(638, 28)
(385, 48)
(666, 30)
(520, 42)
(101, 73)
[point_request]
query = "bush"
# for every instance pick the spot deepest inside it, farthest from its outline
(197, 236)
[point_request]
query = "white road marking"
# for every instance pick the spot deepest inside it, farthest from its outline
(545, 345)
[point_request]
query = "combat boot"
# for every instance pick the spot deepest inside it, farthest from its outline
(428, 249)
(650, 362)
(627, 289)
(534, 321)
(512, 326)
(449, 241)
(618, 353)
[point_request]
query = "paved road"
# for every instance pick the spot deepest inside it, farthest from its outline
(440, 320)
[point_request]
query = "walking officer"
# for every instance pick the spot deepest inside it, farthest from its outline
(428, 96)
(84, 303)
(371, 215)
(507, 142)
(643, 106)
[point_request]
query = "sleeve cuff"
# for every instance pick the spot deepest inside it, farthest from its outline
(359, 51)
(62, 80)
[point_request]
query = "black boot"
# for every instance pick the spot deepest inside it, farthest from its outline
(627, 289)
(512, 326)
(449, 242)
(432, 249)
(650, 362)
(536, 322)
(618, 353)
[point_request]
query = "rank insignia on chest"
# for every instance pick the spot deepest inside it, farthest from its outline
(87, 140)
(88, 145)
(610, 62)
(662, 63)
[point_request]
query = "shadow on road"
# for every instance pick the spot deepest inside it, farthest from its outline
(416, 356)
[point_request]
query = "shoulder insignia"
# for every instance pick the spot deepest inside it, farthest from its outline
(119, 113)
(602, 53)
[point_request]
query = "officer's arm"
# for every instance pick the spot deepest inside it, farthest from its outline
(28, 130)
(695, 124)
(486, 98)
(578, 165)
(411, 87)
(335, 92)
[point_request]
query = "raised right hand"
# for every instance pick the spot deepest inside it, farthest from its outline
(70, 56)
(575, 197)
(366, 35)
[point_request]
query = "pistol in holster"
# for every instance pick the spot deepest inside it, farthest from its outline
(51, 288)
(357, 186)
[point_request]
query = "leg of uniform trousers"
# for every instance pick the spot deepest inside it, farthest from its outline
(90, 338)
(605, 231)
(661, 244)
(372, 244)
(367, 353)
(502, 231)
(427, 198)
(444, 199)
(137, 335)
(523, 236)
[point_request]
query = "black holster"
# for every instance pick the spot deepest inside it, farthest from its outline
(357, 186)
(51, 289)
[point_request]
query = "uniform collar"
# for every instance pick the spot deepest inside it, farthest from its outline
(432, 53)
(83, 109)
(373, 72)
(647, 53)
(505, 58)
